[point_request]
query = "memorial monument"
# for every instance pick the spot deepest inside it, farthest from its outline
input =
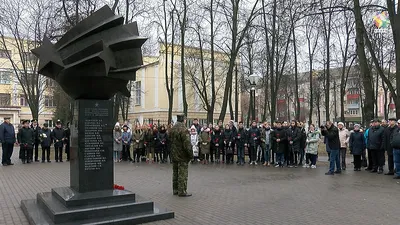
(91, 62)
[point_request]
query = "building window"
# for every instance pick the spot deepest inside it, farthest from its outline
(49, 101)
(5, 77)
(23, 101)
(5, 99)
(49, 122)
(4, 53)
(352, 101)
(138, 93)
(353, 112)
(353, 91)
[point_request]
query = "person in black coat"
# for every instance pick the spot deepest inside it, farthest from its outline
(278, 137)
(217, 143)
(241, 137)
(67, 140)
(58, 136)
(45, 140)
(375, 145)
(357, 146)
(7, 139)
(253, 142)
(26, 140)
(36, 131)
(294, 139)
(162, 145)
(332, 136)
(302, 142)
(387, 136)
(228, 145)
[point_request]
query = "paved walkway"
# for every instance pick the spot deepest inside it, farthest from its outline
(229, 194)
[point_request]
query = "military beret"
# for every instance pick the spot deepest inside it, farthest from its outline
(46, 125)
(7, 118)
(392, 119)
(58, 122)
(25, 121)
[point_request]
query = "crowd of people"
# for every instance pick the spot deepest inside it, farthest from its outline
(280, 144)
(30, 137)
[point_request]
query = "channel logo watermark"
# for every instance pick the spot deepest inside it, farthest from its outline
(381, 22)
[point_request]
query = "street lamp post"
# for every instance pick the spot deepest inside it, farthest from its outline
(253, 79)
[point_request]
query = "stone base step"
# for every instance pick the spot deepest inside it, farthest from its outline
(37, 216)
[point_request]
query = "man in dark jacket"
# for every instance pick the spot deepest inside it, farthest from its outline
(387, 136)
(278, 138)
(375, 145)
(7, 138)
(395, 142)
(196, 125)
(266, 142)
(332, 135)
(253, 142)
(67, 140)
(26, 140)
(241, 137)
(58, 136)
(294, 139)
(36, 130)
(45, 140)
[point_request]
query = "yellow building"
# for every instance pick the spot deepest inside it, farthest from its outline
(12, 99)
(149, 102)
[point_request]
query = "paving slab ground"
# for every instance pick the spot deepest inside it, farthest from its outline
(228, 194)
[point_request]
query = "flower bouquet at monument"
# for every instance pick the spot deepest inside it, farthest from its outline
(118, 187)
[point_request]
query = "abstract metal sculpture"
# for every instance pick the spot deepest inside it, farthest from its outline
(99, 53)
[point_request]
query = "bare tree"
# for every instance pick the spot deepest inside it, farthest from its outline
(231, 12)
(26, 24)
(312, 36)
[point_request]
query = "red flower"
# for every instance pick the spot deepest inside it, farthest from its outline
(253, 134)
(277, 135)
(238, 135)
(117, 187)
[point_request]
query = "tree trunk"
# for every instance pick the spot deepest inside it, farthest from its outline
(213, 92)
(230, 104)
(236, 95)
(296, 79)
(365, 71)
(274, 91)
(395, 23)
(183, 79)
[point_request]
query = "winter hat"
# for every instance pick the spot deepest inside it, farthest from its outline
(340, 123)
(357, 125)
(192, 127)
(117, 124)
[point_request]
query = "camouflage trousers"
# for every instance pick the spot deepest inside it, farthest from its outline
(179, 177)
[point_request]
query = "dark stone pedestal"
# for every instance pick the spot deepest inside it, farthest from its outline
(91, 198)
(92, 165)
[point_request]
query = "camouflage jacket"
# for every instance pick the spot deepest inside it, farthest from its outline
(181, 149)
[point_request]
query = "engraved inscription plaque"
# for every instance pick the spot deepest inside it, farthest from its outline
(91, 150)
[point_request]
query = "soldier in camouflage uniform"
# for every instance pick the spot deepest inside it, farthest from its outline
(181, 153)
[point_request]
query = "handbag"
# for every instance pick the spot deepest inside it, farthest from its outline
(229, 151)
(195, 151)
